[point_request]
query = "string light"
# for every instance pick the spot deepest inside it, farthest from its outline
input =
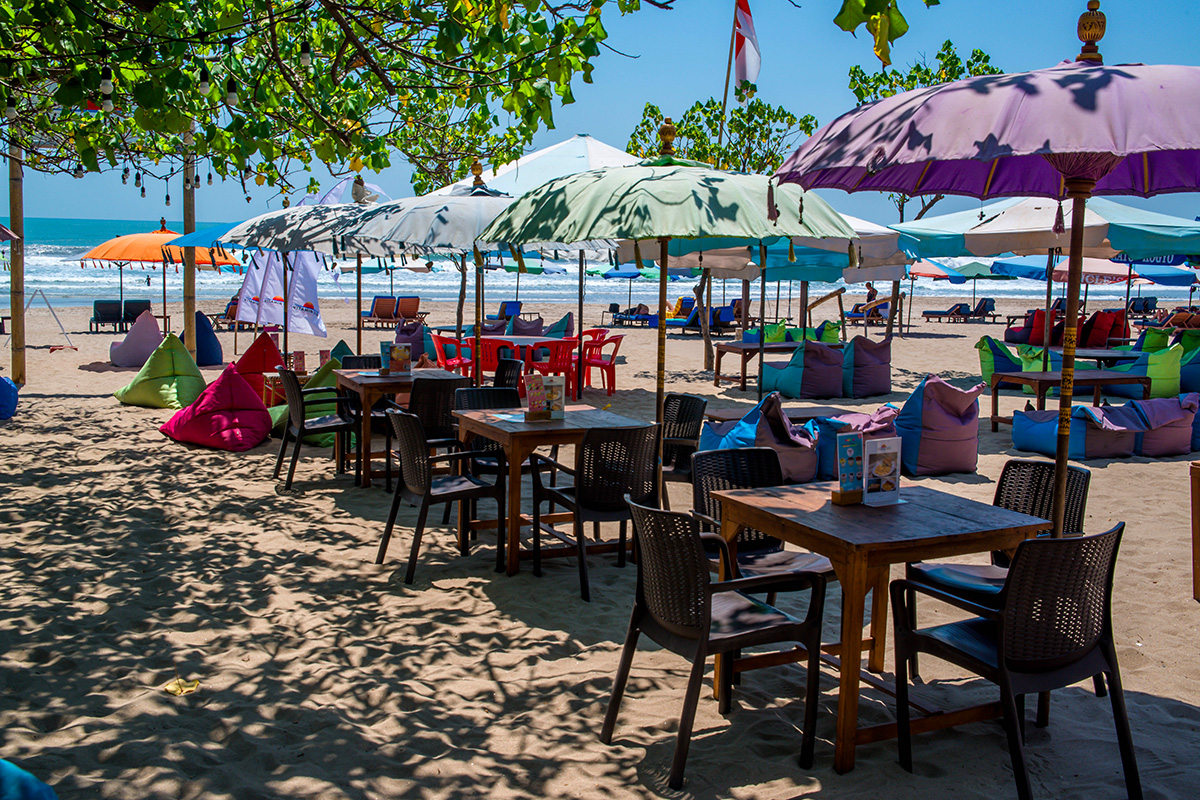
(286, 202)
(205, 86)
(106, 84)
(107, 104)
(143, 191)
(168, 197)
(125, 176)
(210, 178)
(10, 108)
(79, 171)
(231, 96)
(137, 181)
(305, 55)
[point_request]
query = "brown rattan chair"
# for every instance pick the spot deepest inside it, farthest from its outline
(341, 422)
(1051, 628)
(419, 486)
(508, 373)
(679, 606)
(758, 553)
(610, 463)
(683, 416)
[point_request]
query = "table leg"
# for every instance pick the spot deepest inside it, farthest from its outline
(879, 611)
(516, 455)
(1041, 388)
(364, 437)
(745, 361)
(853, 577)
(1096, 395)
(995, 406)
(717, 369)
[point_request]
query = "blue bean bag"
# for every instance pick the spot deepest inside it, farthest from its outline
(208, 347)
(939, 426)
(766, 425)
(1163, 367)
(17, 784)
(1189, 371)
(866, 367)
(879, 425)
(1106, 432)
(8, 398)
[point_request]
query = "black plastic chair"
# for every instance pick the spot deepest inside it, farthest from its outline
(340, 422)
(678, 606)
(683, 416)
(508, 373)
(758, 554)
(419, 486)
(379, 420)
(1051, 628)
(610, 463)
(132, 310)
(362, 362)
(105, 312)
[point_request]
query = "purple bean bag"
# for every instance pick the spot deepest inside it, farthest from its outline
(413, 335)
(526, 327)
(766, 425)
(940, 428)
(814, 371)
(143, 338)
(879, 425)
(1169, 423)
(227, 415)
(1106, 432)
(866, 367)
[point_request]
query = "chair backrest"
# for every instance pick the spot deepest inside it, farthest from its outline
(231, 310)
(106, 310)
(508, 373)
(295, 397)
(557, 353)
(672, 571)
(407, 307)
(614, 308)
(471, 399)
(594, 350)
(1027, 486)
(510, 308)
(683, 417)
(432, 401)
(413, 448)
(613, 462)
(1057, 600)
(594, 334)
(362, 362)
(385, 308)
(439, 348)
(135, 307)
(490, 352)
(735, 468)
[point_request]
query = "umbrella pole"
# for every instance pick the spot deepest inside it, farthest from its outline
(1048, 323)
(762, 308)
(392, 282)
(659, 394)
(287, 301)
(578, 332)
(121, 283)
(1079, 191)
(912, 288)
(166, 323)
(478, 315)
(358, 307)
(805, 317)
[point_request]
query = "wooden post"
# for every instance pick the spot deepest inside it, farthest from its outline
(1049, 324)
(189, 253)
(16, 279)
(746, 305)
(704, 314)
(892, 308)
(842, 316)
(579, 328)
(358, 308)
(287, 305)
(1195, 470)
(478, 313)
(762, 314)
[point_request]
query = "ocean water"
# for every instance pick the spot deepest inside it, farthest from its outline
(53, 248)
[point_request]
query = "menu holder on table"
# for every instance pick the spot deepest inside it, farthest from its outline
(850, 470)
(385, 358)
(324, 356)
(882, 476)
(298, 361)
(400, 359)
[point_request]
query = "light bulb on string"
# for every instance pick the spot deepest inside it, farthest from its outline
(106, 104)
(205, 86)
(106, 84)
(305, 55)
(125, 176)
(210, 178)
(79, 171)
(143, 191)
(137, 180)
(286, 202)
(10, 108)
(231, 96)
(168, 197)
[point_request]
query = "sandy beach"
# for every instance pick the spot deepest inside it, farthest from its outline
(129, 559)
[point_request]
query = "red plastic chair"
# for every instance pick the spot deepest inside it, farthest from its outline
(593, 335)
(460, 362)
(558, 360)
(594, 355)
(490, 353)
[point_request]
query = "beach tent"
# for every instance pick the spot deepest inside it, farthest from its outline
(139, 343)
(168, 379)
(228, 415)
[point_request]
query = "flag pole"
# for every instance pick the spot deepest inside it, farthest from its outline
(725, 95)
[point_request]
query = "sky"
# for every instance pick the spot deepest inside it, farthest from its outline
(674, 57)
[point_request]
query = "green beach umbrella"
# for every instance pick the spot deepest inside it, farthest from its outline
(667, 200)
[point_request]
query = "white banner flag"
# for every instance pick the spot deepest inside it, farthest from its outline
(747, 58)
(261, 298)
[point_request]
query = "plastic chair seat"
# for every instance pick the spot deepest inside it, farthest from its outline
(739, 620)
(446, 486)
(976, 638)
(979, 583)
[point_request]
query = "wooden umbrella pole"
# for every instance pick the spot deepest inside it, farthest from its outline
(660, 393)
(16, 276)
(189, 253)
(1047, 325)
(358, 309)
(579, 333)
(1078, 191)
(762, 313)
(287, 302)
(478, 315)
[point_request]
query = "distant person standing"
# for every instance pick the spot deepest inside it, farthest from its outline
(872, 292)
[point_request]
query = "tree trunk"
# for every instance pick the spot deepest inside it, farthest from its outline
(704, 315)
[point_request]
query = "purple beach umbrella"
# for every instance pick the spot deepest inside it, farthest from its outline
(1070, 131)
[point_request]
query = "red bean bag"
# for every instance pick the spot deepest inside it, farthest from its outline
(228, 415)
(261, 358)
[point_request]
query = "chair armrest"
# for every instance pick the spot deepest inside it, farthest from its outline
(902, 585)
(679, 440)
(764, 583)
(319, 390)
(704, 519)
(727, 563)
(537, 457)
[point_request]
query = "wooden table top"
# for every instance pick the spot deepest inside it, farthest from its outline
(926, 520)
(355, 377)
(511, 421)
(795, 414)
(1103, 353)
(1089, 377)
(769, 347)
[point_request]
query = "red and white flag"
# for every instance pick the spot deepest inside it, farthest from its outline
(746, 56)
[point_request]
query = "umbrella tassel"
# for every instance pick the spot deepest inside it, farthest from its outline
(1059, 222)
(801, 210)
(791, 253)
(772, 209)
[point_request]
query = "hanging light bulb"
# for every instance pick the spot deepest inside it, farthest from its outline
(305, 55)
(125, 175)
(286, 202)
(137, 180)
(106, 84)
(247, 198)
(107, 104)
(79, 171)
(210, 177)
(205, 86)
(143, 191)
(10, 108)
(168, 197)
(231, 96)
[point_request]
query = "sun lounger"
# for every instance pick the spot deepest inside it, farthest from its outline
(984, 311)
(957, 310)
(132, 310)
(409, 309)
(509, 308)
(106, 312)
(383, 312)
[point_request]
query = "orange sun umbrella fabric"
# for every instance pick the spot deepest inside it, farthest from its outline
(148, 248)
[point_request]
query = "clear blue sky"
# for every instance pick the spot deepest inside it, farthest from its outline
(680, 57)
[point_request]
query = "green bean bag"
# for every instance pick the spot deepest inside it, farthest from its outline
(340, 350)
(1163, 369)
(168, 379)
(322, 377)
(1031, 361)
(994, 357)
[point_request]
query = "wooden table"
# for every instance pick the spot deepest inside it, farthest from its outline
(1104, 356)
(862, 543)
(795, 414)
(371, 387)
(747, 351)
(1043, 382)
(519, 439)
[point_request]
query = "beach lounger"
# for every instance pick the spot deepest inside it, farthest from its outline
(409, 309)
(132, 310)
(985, 310)
(956, 310)
(383, 312)
(105, 312)
(509, 308)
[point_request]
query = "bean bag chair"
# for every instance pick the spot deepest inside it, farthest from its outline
(939, 426)
(879, 425)
(1169, 422)
(1163, 368)
(168, 379)
(261, 358)
(766, 425)
(1151, 340)
(826, 333)
(1019, 334)
(8, 398)
(814, 371)
(1190, 339)
(228, 415)
(525, 327)
(866, 367)
(17, 784)
(1098, 327)
(1189, 371)
(322, 377)
(208, 347)
(341, 349)
(1107, 432)
(413, 335)
(995, 357)
(143, 338)
(1031, 361)
(1056, 333)
(563, 329)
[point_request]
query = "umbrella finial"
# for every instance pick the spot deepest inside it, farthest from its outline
(477, 171)
(1091, 30)
(162, 221)
(666, 134)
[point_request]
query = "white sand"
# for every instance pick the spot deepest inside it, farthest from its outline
(128, 559)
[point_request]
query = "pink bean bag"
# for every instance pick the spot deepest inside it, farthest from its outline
(939, 426)
(261, 358)
(142, 340)
(1168, 425)
(228, 415)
